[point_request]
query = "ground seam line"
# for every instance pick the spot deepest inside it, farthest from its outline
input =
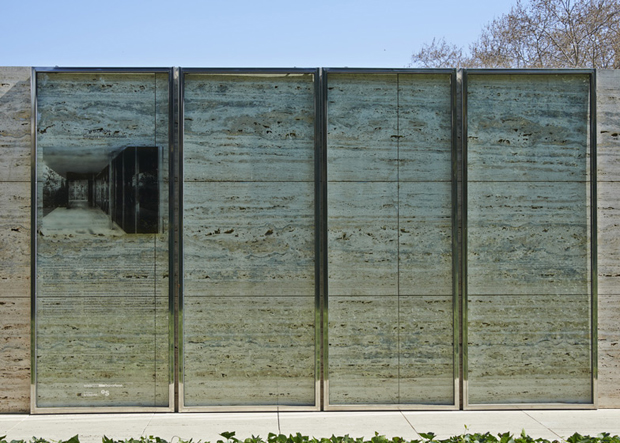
(410, 424)
(543, 425)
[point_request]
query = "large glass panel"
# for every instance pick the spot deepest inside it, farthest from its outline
(390, 253)
(528, 239)
(248, 240)
(102, 263)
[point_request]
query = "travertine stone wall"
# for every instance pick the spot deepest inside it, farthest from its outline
(282, 295)
(102, 293)
(528, 261)
(389, 249)
(608, 136)
(248, 240)
(15, 146)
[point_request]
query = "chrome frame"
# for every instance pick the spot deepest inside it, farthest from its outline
(34, 409)
(317, 247)
(176, 93)
(593, 241)
(454, 218)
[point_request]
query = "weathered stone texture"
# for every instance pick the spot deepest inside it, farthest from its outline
(14, 354)
(15, 148)
(102, 294)
(15, 127)
(242, 351)
(527, 238)
(608, 158)
(529, 349)
(390, 350)
(389, 249)
(249, 240)
(528, 242)
(252, 238)
(248, 128)
(527, 128)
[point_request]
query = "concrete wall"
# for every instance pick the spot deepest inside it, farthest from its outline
(15, 145)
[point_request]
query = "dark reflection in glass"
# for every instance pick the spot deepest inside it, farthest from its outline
(102, 261)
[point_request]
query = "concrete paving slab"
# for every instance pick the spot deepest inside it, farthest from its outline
(90, 428)
(8, 422)
(566, 423)
(551, 425)
(449, 423)
(209, 426)
(356, 424)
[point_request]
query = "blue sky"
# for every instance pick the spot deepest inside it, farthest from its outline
(234, 33)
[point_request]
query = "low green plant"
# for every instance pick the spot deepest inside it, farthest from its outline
(427, 437)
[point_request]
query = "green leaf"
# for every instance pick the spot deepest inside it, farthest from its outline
(74, 439)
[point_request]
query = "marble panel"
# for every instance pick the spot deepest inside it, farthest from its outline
(248, 127)
(426, 350)
(529, 349)
(15, 124)
(249, 351)
(528, 238)
(608, 124)
(85, 118)
(363, 350)
(73, 263)
(248, 238)
(362, 125)
(608, 227)
(425, 238)
(608, 370)
(363, 238)
(527, 127)
(424, 127)
(14, 354)
(101, 351)
(608, 350)
(162, 112)
(15, 239)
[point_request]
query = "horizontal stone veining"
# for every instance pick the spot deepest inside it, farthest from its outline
(389, 350)
(251, 238)
(425, 238)
(426, 350)
(249, 351)
(362, 127)
(363, 350)
(390, 234)
(14, 354)
(529, 349)
(527, 127)
(363, 238)
(102, 340)
(85, 119)
(15, 239)
(424, 127)
(15, 148)
(608, 161)
(608, 125)
(256, 128)
(102, 294)
(15, 126)
(526, 238)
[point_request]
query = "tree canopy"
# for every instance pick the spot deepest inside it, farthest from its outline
(538, 34)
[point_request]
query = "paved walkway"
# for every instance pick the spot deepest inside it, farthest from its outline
(551, 425)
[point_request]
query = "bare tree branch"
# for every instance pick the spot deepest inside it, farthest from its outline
(538, 34)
